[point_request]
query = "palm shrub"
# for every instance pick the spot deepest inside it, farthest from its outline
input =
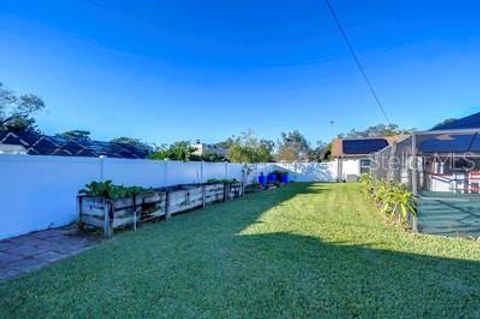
(394, 199)
(368, 183)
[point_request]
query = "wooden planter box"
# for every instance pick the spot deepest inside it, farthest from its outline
(114, 214)
(110, 214)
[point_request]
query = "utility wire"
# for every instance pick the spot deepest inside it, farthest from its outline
(357, 61)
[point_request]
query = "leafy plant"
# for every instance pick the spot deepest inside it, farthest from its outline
(393, 198)
(255, 185)
(223, 180)
(109, 190)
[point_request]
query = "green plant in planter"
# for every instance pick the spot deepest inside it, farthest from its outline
(99, 189)
(255, 185)
(109, 190)
(222, 181)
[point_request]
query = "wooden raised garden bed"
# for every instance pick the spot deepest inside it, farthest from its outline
(109, 215)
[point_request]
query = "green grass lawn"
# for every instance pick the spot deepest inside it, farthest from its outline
(306, 250)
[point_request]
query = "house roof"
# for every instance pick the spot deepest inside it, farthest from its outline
(446, 143)
(472, 121)
(360, 146)
(37, 144)
(454, 142)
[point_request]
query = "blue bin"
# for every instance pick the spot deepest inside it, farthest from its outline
(262, 180)
(272, 178)
(284, 178)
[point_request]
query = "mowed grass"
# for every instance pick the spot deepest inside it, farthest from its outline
(306, 250)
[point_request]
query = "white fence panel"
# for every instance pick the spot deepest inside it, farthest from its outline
(146, 173)
(214, 170)
(235, 170)
(254, 171)
(183, 172)
(38, 192)
(310, 172)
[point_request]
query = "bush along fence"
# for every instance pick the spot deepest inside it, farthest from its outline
(393, 199)
(110, 207)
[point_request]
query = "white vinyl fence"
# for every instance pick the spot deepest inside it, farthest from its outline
(37, 192)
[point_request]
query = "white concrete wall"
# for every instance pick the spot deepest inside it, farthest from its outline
(349, 167)
(37, 192)
(310, 172)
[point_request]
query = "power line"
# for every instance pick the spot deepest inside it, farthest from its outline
(357, 61)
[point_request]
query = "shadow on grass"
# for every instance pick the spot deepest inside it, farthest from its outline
(203, 264)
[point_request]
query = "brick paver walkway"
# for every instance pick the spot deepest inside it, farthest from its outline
(29, 252)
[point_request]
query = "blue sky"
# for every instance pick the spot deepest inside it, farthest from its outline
(170, 70)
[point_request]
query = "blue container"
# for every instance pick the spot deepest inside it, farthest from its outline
(262, 180)
(272, 178)
(284, 178)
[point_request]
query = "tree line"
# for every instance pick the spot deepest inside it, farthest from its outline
(17, 113)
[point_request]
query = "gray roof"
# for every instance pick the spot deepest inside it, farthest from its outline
(38, 144)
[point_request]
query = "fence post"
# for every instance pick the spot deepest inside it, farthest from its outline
(244, 178)
(201, 172)
(167, 204)
(414, 224)
(204, 195)
(79, 207)
(165, 173)
(134, 212)
(226, 170)
(414, 165)
(102, 167)
(244, 172)
(107, 230)
(295, 169)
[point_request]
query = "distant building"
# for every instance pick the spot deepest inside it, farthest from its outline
(352, 155)
(203, 149)
(12, 149)
(36, 144)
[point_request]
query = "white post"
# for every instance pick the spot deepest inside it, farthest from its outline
(414, 165)
(165, 173)
(295, 170)
(102, 167)
(244, 173)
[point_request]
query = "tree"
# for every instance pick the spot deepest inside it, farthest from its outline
(16, 111)
(227, 143)
(293, 147)
(375, 131)
(248, 148)
(80, 135)
(133, 142)
(179, 151)
(321, 153)
(211, 157)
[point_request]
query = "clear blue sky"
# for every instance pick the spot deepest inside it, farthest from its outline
(170, 70)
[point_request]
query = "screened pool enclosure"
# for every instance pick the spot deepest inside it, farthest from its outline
(442, 168)
(435, 161)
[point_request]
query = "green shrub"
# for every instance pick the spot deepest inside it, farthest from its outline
(222, 181)
(393, 198)
(109, 190)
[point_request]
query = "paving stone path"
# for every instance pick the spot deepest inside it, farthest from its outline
(33, 251)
